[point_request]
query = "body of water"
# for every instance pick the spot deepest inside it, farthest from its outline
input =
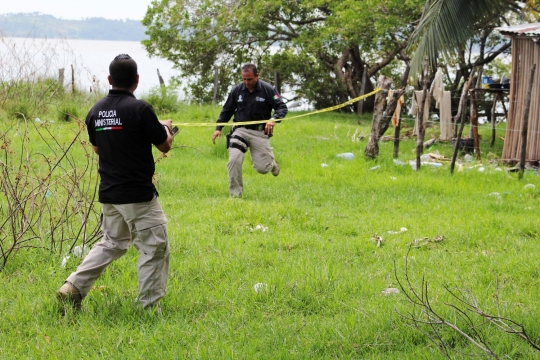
(87, 61)
(90, 59)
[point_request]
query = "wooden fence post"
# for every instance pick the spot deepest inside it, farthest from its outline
(474, 123)
(61, 78)
(421, 124)
(462, 101)
(161, 82)
(72, 79)
(360, 105)
(525, 128)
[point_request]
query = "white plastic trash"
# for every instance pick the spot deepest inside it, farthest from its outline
(260, 287)
(347, 156)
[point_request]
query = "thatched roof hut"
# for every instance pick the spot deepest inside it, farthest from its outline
(525, 53)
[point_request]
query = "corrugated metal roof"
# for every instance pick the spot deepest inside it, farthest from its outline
(532, 29)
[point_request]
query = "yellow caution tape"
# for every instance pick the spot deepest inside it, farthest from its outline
(288, 118)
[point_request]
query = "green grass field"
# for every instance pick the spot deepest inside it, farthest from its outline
(308, 236)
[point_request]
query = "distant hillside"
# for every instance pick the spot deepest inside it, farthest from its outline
(47, 26)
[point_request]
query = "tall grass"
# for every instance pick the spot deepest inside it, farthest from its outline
(308, 237)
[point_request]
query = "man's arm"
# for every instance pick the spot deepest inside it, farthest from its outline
(226, 113)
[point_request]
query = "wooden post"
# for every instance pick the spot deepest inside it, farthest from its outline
(493, 119)
(72, 79)
(277, 82)
(161, 82)
(216, 83)
(525, 128)
(396, 135)
(404, 79)
(61, 78)
(421, 125)
(474, 123)
(362, 92)
(462, 124)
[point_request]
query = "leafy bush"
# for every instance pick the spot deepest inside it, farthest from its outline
(163, 99)
(66, 112)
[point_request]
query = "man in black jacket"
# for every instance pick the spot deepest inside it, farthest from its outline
(122, 130)
(251, 100)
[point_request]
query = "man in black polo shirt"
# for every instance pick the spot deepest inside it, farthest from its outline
(251, 100)
(122, 131)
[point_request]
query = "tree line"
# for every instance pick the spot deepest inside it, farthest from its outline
(47, 26)
(329, 51)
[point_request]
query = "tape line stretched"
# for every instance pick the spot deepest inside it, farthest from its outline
(287, 118)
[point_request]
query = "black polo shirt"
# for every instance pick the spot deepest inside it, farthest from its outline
(124, 129)
(255, 105)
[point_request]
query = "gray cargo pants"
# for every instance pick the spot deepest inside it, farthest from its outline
(145, 226)
(262, 156)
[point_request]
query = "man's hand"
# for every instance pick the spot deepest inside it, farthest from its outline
(168, 124)
(216, 135)
(269, 128)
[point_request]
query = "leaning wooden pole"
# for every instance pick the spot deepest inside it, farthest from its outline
(362, 92)
(474, 124)
(462, 102)
(404, 79)
(525, 128)
(421, 124)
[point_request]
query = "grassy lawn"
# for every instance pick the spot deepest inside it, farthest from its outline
(309, 237)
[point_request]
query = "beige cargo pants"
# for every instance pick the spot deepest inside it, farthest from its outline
(262, 156)
(145, 226)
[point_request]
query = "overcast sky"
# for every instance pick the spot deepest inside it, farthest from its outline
(79, 9)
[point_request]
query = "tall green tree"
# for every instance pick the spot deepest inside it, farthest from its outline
(320, 48)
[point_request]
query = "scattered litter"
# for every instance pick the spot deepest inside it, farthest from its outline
(259, 227)
(38, 120)
(434, 164)
(481, 169)
(324, 165)
(412, 163)
(47, 193)
(378, 239)
(260, 287)
(427, 241)
(64, 261)
(390, 291)
(402, 230)
(398, 162)
(468, 158)
(347, 156)
(80, 251)
(529, 187)
(375, 167)
(495, 195)
(425, 157)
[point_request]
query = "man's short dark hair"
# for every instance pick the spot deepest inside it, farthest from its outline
(250, 67)
(123, 71)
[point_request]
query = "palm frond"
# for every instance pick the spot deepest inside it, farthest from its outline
(446, 25)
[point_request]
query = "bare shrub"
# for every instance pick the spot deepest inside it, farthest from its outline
(48, 188)
(466, 318)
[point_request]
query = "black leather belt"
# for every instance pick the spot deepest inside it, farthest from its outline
(259, 127)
